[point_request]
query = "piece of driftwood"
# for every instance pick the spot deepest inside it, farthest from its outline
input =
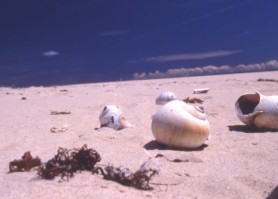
(59, 112)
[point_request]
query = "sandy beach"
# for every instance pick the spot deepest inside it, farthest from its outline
(234, 163)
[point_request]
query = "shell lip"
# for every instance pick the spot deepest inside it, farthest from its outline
(248, 102)
(246, 107)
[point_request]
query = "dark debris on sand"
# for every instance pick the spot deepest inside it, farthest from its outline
(69, 161)
(140, 179)
(267, 80)
(26, 163)
(193, 100)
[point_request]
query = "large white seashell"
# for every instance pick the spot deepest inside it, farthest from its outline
(111, 116)
(258, 110)
(181, 125)
(165, 97)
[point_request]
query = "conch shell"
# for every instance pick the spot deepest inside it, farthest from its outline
(181, 125)
(165, 97)
(111, 116)
(258, 110)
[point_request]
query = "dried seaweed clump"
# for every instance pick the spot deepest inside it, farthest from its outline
(193, 100)
(140, 179)
(67, 162)
(25, 164)
(267, 80)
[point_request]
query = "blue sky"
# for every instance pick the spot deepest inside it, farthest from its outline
(70, 41)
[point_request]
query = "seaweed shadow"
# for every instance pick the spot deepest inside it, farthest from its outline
(248, 129)
(152, 145)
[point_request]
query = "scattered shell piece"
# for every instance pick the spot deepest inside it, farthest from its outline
(181, 125)
(165, 97)
(200, 90)
(59, 130)
(258, 110)
(111, 116)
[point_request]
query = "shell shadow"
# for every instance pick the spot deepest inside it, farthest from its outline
(273, 194)
(152, 145)
(248, 129)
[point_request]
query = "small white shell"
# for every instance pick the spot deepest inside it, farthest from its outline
(111, 116)
(258, 110)
(181, 125)
(200, 90)
(165, 97)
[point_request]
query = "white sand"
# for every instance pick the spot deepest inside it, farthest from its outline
(235, 163)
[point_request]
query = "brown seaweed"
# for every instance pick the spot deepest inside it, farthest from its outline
(140, 179)
(193, 100)
(67, 162)
(64, 90)
(267, 80)
(25, 164)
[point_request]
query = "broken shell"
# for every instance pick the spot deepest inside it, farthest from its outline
(178, 124)
(258, 110)
(165, 97)
(200, 90)
(111, 116)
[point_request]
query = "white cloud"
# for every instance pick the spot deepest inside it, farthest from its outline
(209, 70)
(191, 56)
(50, 53)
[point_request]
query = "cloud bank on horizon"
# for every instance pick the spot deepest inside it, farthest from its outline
(191, 56)
(209, 70)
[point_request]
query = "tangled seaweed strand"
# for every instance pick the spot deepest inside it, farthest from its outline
(25, 164)
(140, 179)
(67, 162)
(267, 80)
(193, 100)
